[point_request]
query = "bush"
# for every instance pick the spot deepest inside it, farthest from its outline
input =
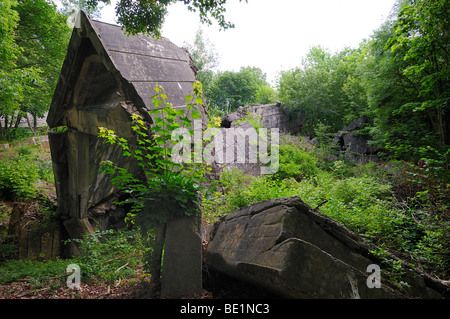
(216, 204)
(296, 163)
(241, 190)
(21, 168)
(18, 177)
(45, 170)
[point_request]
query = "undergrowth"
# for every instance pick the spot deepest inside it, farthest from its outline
(400, 208)
(106, 257)
(21, 168)
(110, 255)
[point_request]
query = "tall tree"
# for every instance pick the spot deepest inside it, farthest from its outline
(265, 94)
(324, 89)
(407, 80)
(203, 52)
(205, 58)
(422, 34)
(43, 35)
(69, 7)
(233, 89)
(227, 91)
(35, 40)
(9, 19)
(10, 90)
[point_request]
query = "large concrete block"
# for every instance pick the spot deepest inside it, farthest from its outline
(287, 247)
(182, 266)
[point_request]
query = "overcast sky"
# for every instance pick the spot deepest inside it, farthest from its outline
(275, 35)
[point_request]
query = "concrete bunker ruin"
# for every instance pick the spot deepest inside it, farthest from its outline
(106, 77)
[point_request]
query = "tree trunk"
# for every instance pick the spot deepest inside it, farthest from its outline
(18, 119)
(446, 124)
(1, 130)
(30, 125)
(34, 121)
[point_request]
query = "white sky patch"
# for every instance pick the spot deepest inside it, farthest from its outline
(275, 35)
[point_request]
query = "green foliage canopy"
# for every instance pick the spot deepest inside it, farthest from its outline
(43, 35)
(205, 58)
(324, 89)
(33, 43)
(407, 81)
(230, 90)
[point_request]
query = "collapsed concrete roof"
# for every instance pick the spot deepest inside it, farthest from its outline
(102, 63)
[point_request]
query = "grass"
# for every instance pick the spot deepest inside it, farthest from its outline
(35, 271)
(111, 255)
(108, 258)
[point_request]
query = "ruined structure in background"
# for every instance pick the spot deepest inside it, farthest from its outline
(269, 115)
(355, 144)
(106, 77)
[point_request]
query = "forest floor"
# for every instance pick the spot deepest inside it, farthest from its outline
(215, 286)
(25, 290)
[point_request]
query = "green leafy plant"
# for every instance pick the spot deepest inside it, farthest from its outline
(254, 120)
(60, 129)
(18, 177)
(296, 163)
(167, 188)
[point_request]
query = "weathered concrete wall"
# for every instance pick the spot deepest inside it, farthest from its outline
(34, 237)
(83, 192)
(271, 115)
(182, 271)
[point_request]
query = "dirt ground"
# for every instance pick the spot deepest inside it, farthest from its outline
(215, 286)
